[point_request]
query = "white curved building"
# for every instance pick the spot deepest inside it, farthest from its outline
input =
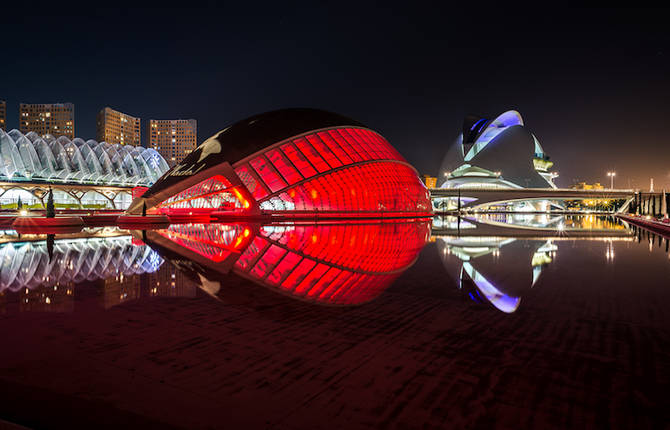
(31, 158)
(496, 154)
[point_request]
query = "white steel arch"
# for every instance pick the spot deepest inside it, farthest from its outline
(30, 157)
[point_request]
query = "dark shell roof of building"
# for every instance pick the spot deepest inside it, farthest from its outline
(260, 131)
(249, 136)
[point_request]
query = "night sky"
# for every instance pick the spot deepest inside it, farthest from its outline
(592, 85)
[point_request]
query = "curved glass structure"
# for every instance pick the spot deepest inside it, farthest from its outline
(330, 264)
(291, 161)
(30, 158)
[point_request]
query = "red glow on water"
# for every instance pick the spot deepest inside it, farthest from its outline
(215, 242)
(337, 263)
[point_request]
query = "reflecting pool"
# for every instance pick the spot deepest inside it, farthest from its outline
(487, 321)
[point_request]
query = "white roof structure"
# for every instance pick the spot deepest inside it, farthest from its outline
(61, 160)
(498, 153)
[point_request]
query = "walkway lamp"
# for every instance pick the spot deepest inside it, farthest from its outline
(611, 175)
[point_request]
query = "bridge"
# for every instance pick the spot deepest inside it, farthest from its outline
(474, 198)
(72, 195)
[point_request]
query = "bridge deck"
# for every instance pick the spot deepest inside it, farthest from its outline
(531, 193)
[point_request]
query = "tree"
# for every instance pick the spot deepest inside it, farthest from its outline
(51, 211)
(19, 204)
(50, 245)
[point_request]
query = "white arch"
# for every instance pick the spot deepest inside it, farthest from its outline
(10, 160)
(497, 126)
(76, 161)
(31, 161)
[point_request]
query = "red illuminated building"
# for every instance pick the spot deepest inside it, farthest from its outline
(337, 263)
(291, 162)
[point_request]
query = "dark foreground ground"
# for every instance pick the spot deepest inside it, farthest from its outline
(588, 347)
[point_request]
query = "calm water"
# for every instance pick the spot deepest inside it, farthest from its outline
(500, 321)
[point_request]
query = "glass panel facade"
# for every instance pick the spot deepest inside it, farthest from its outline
(370, 187)
(268, 174)
(283, 166)
(341, 170)
(299, 161)
(312, 156)
(252, 182)
(318, 162)
(214, 193)
(324, 151)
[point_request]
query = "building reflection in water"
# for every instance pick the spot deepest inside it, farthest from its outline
(549, 221)
(41, 275)
(325, 263)
(334, 263)
(500, 265)
(495, 270)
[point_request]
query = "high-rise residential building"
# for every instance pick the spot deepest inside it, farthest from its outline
(56, 119)
(117, 127)
(172, 138)
(3, 115)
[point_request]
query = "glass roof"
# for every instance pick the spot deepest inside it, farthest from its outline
(31, 158)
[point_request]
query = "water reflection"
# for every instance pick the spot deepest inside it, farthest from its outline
(44, 275)
(559, 222)
(530, 225)
(34, 264)
(336, 263)
(495, 259)
(496, 270)
(498, 258)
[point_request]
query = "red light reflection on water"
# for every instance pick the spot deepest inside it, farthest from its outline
(335, 263)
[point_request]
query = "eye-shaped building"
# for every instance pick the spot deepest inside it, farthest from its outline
(291, 161)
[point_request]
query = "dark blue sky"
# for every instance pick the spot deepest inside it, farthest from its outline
(591, 84)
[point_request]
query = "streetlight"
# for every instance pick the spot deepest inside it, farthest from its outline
(611, 175)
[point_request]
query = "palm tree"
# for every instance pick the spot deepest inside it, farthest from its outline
(51, 211)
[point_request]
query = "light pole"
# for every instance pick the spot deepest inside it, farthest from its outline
(611, 175)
